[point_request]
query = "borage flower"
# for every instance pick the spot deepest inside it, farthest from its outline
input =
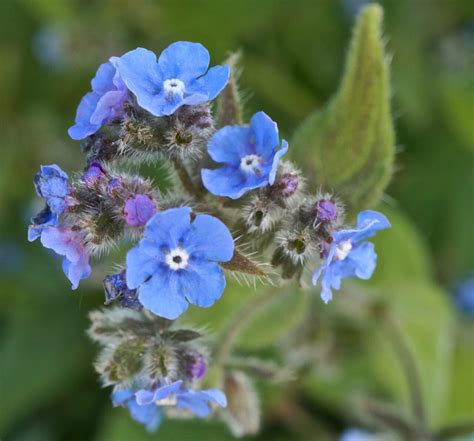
(347, 257)
(68, 243)
(179, 77)
(145, 405)
(250, 154)
(104, 104)
(175, 262)
(51, 183)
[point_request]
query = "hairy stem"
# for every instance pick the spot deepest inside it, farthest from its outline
(189, 185)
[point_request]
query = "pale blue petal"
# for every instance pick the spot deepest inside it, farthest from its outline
(184, 60)
(144, 397)
(210, 238)
(217, 396)
(202, 283)
(276, 159)
(229, 144)
(167, 228)
(368, 223)
(77, 271)
(120, 397)
(109, 107)
(226, 181)
(265, 133)
(103, 80)
(141, 265)
(149, 415)
(159, 295)
(211, 84)
(166, 390)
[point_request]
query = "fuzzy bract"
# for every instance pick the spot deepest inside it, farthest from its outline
(68, 243)
(348, 256)
(179, 77)
(250, 156)
(176, 262)
(104, 104)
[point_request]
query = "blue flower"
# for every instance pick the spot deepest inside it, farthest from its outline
(250, 154)
(346, 257)
(104, 104)
(68, 243)
(149, 415)
(175, 262)
(197, 402)
(179, 77)
(51, 183)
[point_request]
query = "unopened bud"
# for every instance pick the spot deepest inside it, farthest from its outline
(139, 209)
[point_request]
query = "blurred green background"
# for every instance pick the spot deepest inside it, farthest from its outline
(293, 59)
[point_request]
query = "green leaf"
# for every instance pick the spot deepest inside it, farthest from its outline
(352, 140)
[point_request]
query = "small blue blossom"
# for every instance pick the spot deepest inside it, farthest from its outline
(464, 296)
(145, 405)
(149, 415)
(250, 154)
(179, 77)
(175, 262)
(51, 183)
(197, 402)
(346, 257)
(68, 243)
(104, 104)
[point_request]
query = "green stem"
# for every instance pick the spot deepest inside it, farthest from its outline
(240, 321)
(409, 366)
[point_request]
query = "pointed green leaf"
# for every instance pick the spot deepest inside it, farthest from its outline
(348, 148)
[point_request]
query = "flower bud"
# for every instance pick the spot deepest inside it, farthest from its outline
(116, 289)
(138, 210)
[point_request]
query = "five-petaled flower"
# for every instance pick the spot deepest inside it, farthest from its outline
(347, 256)
(68, 242)
(176, 262)
(144, 405)
(250, 154)
(179, 77)
(104, 104)
(51, 183)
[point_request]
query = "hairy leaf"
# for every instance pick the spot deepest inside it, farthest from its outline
(348, 148)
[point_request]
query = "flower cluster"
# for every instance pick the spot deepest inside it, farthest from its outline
(141, 108)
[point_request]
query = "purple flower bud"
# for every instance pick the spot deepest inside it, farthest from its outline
(139, 209)
(288, 184)
(326, 210)
(198, 367)
(94, 173)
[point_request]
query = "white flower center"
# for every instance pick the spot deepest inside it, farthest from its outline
(343, 249)
(173, 87)
(177, 259)
(250, 164)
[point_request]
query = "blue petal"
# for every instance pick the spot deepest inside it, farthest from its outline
(109, 106)
(103, 80)
(202, 283)
(59, 240)
(149, 415)
(265, 133)
(160, 296)
(120, 397)
(217, 396)
(195, 403)
(141, 264)
(229, 144)
(144, 397)
(77, 271)
(226, 181)
(368, 223)
(83, 128)
(169, 389)
(167, 228)
(210, 238)
(360, 262)
(184, 60)
(211, 84)
(141, 74)
(276, 159)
